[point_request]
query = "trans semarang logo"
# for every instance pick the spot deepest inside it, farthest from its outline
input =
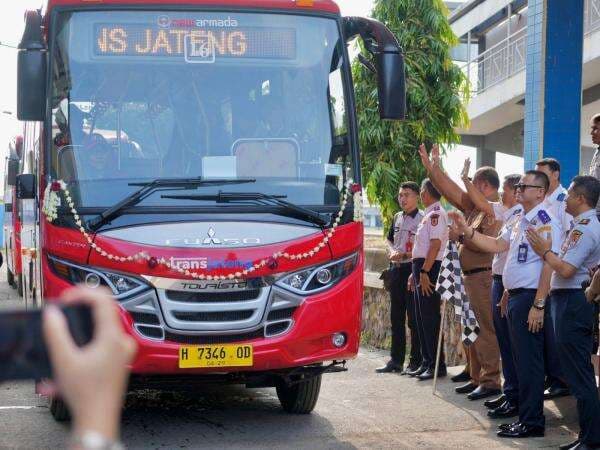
(205, 263)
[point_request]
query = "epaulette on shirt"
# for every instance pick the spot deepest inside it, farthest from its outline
(561, 197)
(583, 222)
(543, 216)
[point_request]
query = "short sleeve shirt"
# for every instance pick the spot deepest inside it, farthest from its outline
(581, 249)
(523, 266)
(509, 218)
(556, 205)
(595, 171)
(434, 225)
(404, 229)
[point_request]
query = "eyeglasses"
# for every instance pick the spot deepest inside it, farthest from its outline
(521, 187)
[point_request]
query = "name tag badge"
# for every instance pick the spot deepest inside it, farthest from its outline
(522, 256)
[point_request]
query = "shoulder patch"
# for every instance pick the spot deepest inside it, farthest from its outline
(544, 217)
(561, 197)
(436, 208)
(516, 211)
(434, 219)
(583, 222)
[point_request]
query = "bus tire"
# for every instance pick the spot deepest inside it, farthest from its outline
(19, 281)
(59, 410)
(299, 398)
(10, 278)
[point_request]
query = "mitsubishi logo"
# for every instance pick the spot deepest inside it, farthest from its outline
(211, 239)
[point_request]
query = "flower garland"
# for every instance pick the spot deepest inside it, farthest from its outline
(51, 202)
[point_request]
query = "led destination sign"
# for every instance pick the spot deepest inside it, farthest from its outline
(201, 45)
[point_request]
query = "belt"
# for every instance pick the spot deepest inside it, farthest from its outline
(402, 265)
(565, 291)
(474, 271)
(513, 292)
(497, 277)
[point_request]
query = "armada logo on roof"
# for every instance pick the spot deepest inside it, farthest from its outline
(165, 21)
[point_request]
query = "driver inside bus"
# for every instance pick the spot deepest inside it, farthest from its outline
(97, 155)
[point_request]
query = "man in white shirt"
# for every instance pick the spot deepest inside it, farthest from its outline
(428, 251)
(526, 276)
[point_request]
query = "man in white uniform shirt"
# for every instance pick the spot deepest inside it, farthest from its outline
(527, 278)
(427, 254)
(556, 205)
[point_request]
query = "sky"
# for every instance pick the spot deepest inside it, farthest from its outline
(11, 28)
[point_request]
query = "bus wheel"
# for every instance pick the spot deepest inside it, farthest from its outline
(10, 278)
(20, 285)
(59, 410)
(299, 398)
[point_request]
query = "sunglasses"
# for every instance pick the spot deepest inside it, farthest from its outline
(521, 187)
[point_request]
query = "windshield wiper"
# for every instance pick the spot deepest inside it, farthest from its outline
(290, 209)
(155, 185)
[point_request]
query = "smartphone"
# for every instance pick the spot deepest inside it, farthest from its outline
(23, 353)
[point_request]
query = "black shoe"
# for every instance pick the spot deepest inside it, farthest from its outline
(493, 404)
(505, 411)
(408, 370)
(461, 377)
(483, 392)
(465, 388)
(521, 431)
(391, 366)
(556, 392)
(416, 373)
(428, 374)
(508, 426)
(570, 445)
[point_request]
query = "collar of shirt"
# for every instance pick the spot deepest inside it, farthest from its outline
(585, 215)
(434, 207)
(515, 209)
(534, 212)
(559, 190)
(412, 214)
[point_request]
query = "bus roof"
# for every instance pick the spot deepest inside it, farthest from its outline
(296, 5)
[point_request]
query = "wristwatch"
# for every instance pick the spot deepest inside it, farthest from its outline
(539, 304)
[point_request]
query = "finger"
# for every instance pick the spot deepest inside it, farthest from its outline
(57, 336)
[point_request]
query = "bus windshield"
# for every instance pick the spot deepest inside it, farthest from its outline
(138, 96)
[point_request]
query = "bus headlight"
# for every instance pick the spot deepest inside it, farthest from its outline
(315, 279)
(122, 286)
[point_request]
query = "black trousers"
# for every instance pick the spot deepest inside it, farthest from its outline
(403, 307)
(528, 350)
(428, 316)
(573, 320)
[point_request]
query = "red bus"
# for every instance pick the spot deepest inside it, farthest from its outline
(200, 159)
(12, 223)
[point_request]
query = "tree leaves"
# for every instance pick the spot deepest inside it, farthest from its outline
(436, 93)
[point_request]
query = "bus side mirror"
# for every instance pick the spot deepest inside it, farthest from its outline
(31, 70)
(11, 172)
(26, 186)
(383, 45)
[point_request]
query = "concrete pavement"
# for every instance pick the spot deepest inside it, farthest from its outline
(356, 409)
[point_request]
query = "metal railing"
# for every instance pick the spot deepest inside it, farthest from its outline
(508, 57)
(591, 16)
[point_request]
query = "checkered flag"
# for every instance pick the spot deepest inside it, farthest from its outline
(450, 287)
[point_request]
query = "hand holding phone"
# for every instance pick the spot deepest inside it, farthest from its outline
(92, 379)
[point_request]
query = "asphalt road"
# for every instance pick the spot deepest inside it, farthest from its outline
(356, 409)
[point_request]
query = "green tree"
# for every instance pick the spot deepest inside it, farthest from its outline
(436, 91)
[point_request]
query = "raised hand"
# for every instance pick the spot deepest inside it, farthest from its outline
(464, 175)
(425, 158)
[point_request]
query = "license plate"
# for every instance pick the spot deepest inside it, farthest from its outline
(192, 357)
